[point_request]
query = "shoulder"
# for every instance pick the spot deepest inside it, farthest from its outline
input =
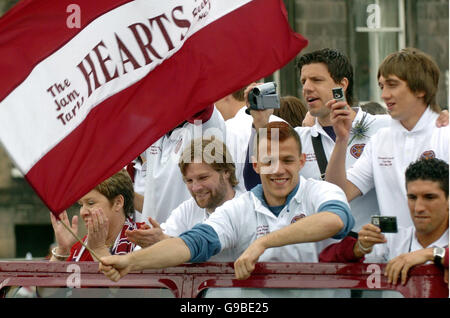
(185, 207)
(320, 191)
(443, 132)
(314, 184)
(303, 131)
(240, 199)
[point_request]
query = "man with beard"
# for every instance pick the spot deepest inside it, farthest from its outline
(209, 174)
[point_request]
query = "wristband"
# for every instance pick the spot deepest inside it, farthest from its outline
(58, 256)
(363, 249)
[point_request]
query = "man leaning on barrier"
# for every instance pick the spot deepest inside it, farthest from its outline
(287, 212)
(425, 241)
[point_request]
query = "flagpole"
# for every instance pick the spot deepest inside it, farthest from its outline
(81, 241)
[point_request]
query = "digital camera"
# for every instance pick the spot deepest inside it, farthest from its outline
(338, 94)
(387, 224)
(264, 96)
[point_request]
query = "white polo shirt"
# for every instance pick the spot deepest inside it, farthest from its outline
(362, 207)
(404, 241)
(240, 221)
(188, 214)
(386, 157)
(164, 186)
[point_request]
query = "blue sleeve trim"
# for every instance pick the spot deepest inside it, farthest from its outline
(343, 211)
(203, 242)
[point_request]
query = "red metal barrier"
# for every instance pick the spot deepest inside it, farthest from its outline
(189, 280)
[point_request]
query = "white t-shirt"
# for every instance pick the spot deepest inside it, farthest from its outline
(164, 186)
(386, 157)
(362, 207)
(240, 221)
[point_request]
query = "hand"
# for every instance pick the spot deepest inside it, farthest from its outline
(402, 263)
(146, 235)
(63, 237)
(340, 118)
(369, 235)
(115, 267)
(260, 117)
(245, 264)
(97, 228)
(442, 120)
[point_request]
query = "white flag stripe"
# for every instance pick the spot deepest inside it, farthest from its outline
(57, 80)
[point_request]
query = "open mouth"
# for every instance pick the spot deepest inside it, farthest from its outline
(311, 100)
(390, 105)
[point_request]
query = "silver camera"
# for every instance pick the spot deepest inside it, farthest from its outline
(264, 96)
(338, 94)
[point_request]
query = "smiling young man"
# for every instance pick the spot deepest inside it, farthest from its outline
(408, 80)
(308, 211)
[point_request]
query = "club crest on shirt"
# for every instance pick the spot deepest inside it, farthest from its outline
(356, 150)
(298, 217)
(429, 154)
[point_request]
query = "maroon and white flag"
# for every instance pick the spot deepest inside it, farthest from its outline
(79, 102)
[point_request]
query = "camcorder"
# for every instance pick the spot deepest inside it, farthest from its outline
(387, 224)
(264, 96)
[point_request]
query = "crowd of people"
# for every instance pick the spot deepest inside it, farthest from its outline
(295, 184)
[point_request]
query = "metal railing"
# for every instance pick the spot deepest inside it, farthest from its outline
(190, 280)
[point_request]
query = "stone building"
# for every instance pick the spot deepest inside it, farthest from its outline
(366, 30)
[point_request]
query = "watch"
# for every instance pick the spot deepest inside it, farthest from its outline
(438, 255)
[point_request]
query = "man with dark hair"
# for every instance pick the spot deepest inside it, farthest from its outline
(338, 66)
(320, 71)
(287, 211)
(425, 241)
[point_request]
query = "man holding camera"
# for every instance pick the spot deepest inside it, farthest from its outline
(409, 81)
(427, 193)
(322, 71)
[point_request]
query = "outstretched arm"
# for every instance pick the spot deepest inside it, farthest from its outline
(166, 253)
